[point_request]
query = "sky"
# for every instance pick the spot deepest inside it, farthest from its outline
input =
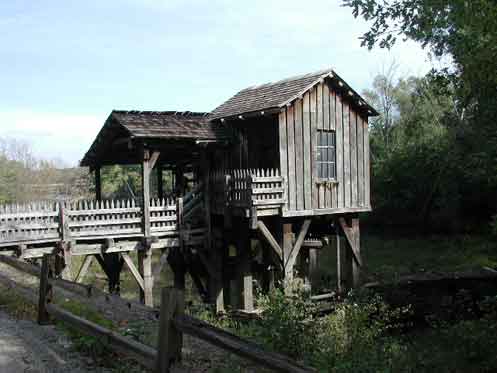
(65, 65)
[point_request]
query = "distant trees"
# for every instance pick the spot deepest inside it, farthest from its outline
(24, 178)
(441, 164)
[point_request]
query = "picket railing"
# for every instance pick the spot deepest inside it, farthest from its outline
(247, 188)
(39, 222)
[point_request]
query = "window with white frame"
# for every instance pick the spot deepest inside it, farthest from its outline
(326, 155)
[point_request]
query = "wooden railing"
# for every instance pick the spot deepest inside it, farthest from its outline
(247, 188)
(172, 324)
(40, 222)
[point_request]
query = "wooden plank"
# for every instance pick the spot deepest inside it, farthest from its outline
(367, 166)
(134, 271)
(269, 238)
(346, 155)
(319, 106)
(44, 289)
(340, 146)
(299, 155)
(326, 107)
(330, 194)
(291, 179)
(353, 157)
(238, 346)
(170, 338)
(313, 139)
(145, 180)
(360, 161)
(307, 176)
(283, 138)
(298, 244)
(141, 353)
(84, 268)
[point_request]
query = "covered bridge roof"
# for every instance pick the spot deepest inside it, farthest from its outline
(124, 127)
(276, 95)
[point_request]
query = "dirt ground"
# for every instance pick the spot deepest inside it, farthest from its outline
(28, 347)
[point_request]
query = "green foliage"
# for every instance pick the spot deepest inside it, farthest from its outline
(287, 325)
(435, 146)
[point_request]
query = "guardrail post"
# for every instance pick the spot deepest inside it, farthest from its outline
(45, 292)
(170, 339)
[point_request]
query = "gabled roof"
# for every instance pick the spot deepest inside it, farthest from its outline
(149, 125)
(276, 95)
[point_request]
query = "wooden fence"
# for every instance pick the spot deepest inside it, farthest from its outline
(172, 324)
(263, 189)
(41, 222)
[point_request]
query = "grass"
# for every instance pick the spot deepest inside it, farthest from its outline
(387, 257)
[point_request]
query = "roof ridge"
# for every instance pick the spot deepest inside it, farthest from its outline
(155, 112)
(291, 78)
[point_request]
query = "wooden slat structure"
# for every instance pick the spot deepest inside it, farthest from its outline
(286, 163)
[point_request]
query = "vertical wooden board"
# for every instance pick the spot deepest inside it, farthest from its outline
(326, 106)
(282, 133)
(313, 134)
(353, 156)
(360, 161)
(346, 153)
(299, 155)
(332, 110)
(339, 142)
(292, 187)
(367, 181)
(319, 106)
(307, 151)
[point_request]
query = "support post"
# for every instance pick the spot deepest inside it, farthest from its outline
(287, 250)
(45, 292)
(350, 229)
(146, 193)
(98, 184)
(245, 282)
(145, 270)
(170, 339)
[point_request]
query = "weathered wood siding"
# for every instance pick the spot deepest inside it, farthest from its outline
(324, 108)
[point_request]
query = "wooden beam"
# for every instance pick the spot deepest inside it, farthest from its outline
(84, 268)
(133, 269)
(146, 193)
(290, 262)
(270, 239)
(351, 233)
(153, 159)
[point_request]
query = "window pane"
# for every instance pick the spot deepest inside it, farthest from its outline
(330, 154)
(322, 136)
(324, 170)
(332, 138)
(332, 170)
(319, 154)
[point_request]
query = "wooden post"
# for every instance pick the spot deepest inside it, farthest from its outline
(339, 260)
(145, 270)
(45, 292)
(146, 193)
(98, 184)
(63, 258)
(245, 272)
(160, 183)
(170, 339)
(351, 272)
(313, 266)
(287, 250)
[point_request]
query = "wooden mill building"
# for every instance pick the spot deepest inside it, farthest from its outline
(261, 183)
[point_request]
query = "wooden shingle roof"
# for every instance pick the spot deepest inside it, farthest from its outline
(276, 95)
(150, 125)
(168, 124)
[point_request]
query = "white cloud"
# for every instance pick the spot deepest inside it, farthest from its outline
(52, 135)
